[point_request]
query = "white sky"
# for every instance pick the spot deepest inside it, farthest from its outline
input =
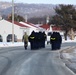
(73, 2)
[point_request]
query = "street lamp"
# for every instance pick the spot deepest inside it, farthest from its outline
(12, 21)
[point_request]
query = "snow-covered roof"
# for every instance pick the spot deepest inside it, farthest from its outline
(15, 23)
(45, 26)
(19, 24)
(28, 24)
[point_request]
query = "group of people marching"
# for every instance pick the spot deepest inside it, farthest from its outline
(37, 40)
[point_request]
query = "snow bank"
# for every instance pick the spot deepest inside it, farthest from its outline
(10, 44)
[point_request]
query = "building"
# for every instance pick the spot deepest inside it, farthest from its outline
(19, 29)
(47, 28)
(32, 27)
(6, 28)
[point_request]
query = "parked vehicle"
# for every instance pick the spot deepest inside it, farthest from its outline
(9, 38)
(1, 39)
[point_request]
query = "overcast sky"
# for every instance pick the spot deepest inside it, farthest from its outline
(73, 2)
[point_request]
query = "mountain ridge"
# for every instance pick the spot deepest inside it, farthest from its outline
(31, 10)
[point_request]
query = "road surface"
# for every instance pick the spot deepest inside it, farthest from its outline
(17, 61)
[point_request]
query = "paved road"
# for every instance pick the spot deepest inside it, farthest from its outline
(17, 61)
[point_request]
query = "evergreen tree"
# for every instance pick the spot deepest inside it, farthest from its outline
(66, 18)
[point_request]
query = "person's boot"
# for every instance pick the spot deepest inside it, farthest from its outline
(25, 48)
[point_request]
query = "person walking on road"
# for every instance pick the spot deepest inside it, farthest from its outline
(25, 40)
(32, 40)
(55, 40)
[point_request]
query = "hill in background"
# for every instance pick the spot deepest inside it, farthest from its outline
(31, 10)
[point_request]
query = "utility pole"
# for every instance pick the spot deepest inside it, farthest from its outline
(12, 21)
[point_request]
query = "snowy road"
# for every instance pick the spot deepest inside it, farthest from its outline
(17, 61)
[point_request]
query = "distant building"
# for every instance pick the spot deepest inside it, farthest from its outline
(19, 29)
(6, 28)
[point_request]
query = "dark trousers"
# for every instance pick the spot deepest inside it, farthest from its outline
(55, 46)
(25, 45)
(32, 45)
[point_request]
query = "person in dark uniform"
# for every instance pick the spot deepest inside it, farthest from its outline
(40, 39)
(32, 40)
(44, 39)
(59, 40)
(55, 41)
(52, 41)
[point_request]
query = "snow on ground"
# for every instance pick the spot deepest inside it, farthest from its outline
(69, 58)
(11, 44)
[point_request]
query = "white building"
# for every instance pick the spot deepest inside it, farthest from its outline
(6, 28)
(19, 29)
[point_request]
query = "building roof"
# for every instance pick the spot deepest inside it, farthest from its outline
(19, 24)
(31, 24)
(56, 28)
(45, 26)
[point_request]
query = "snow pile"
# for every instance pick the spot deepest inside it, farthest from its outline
(10, 44)
(69, 59)
(67, 56)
